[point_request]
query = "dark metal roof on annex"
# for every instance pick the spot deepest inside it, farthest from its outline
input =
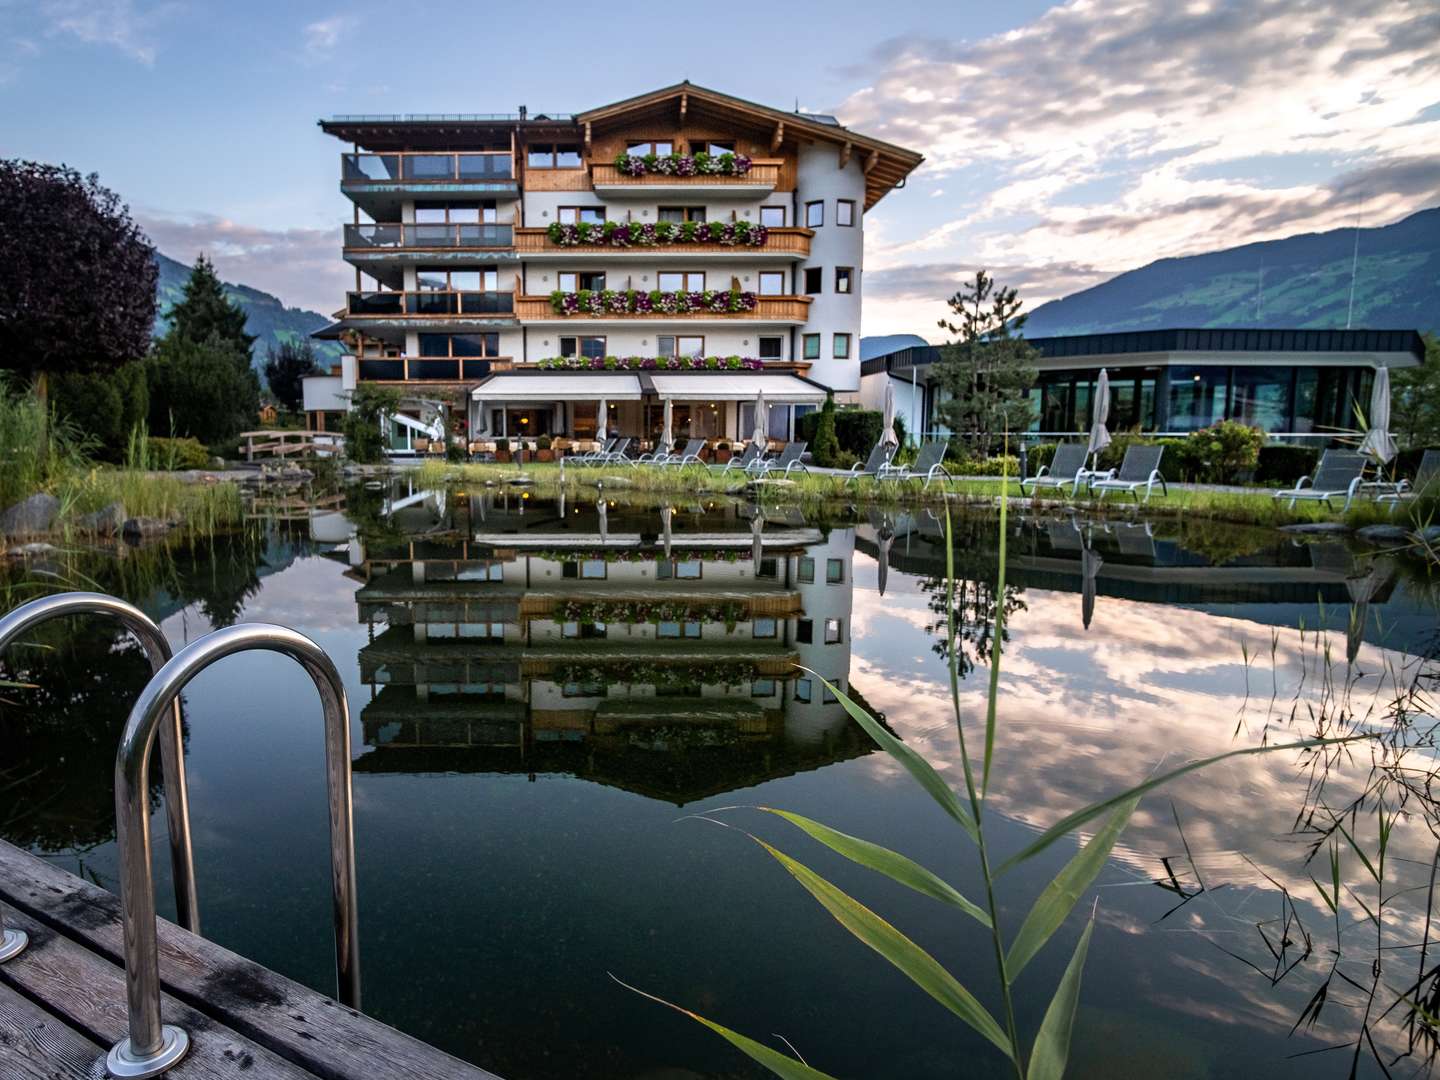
(1202, 340)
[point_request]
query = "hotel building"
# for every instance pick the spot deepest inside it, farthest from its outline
(682, 246)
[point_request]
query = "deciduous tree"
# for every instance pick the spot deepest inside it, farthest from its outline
(285, 367)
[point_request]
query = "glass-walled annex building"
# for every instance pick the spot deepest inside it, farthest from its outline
(1301, 383)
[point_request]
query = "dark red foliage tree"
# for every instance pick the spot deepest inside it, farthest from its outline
(77, 275)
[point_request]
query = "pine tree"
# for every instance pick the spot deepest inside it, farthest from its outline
(826, 450)
(205, 310)
(987, 373)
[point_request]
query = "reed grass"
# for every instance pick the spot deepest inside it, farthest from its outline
(1047, 1053)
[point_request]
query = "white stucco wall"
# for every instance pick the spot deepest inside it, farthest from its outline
(820, 178)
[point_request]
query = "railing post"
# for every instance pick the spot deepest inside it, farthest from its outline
(172, 758)
(152, 1047)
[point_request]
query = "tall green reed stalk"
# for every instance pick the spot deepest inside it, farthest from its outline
(24, 466)
(1048, 1051)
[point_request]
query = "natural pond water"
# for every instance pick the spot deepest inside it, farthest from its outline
(549, 697)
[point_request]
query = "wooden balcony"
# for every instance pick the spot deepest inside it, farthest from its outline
(787, 243)
(771, 309)
(428, 304)
(764, 174)
(442, 369)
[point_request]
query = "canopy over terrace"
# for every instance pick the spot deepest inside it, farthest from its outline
(711, 405)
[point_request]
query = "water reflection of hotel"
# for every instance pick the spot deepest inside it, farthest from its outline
(657, 651)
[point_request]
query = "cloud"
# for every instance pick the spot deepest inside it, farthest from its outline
(301, 266)
(114, 23)
(1110, 135)
(323, 35)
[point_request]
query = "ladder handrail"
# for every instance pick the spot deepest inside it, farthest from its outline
(151, 1046)
(172, 758)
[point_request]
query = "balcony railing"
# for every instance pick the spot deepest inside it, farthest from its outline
(767, 309)
(430, 302)
(421, 168)
(428, 235)
(428, 368)
(763, 173)
(779, 241)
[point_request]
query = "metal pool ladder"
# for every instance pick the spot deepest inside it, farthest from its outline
(153, 1047)
(172, 758)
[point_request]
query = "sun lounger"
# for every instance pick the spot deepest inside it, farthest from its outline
(879, 459)
(1427, 480)
(1140, 469)
(1339, 473)
(928, 464)
(741, 461)
(787, 461)
(1066, 467)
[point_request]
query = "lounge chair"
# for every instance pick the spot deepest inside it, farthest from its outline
(1427, 478)
(1340, 472)
(1140, 469)
(594, 457)
(875, 464)
(787, 461)
(1066, 467)
(741, 461)
(928, 464)
(690, 455)
(616, 454)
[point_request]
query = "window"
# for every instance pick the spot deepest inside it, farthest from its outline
(841, 347)
(575, 280)
(834, 571)
(583, 630)
(483, 279)
(668, 569)
(803, 690)
(814, 280)
(828, 696)
(812, 346)
(640, 149)
(772, 283)
(467, 345)
(678, 629)
(772, 348)
(554, 156)
(814, 215)
(593, 569)
(768, 568)
(590, 347)
(668, 345)
(844, 211)
(454, 213)
(681, 280)
(573, 215)
(832, 631)
(805, 570)
(763, 628)
(681, 213)
(804, 631)
(843, 276)
(583, 689)
(762, 688)
(715, 149)
(772, 217)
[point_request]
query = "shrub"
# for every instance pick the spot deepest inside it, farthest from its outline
(104, 408)
(364, 437)
(825, 446)
(1008, 465)
(543, 443)
(1037, 455)
(1223, 453)
(1285, 464)
(173, 454)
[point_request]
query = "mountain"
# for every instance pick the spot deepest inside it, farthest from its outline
(1301, 281)
(266, 316)
(888, 343)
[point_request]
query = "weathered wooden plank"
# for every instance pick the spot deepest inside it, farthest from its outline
(35, 1045)
(87, 992)
(296, 1023)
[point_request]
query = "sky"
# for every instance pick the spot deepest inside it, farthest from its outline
(1063, 143)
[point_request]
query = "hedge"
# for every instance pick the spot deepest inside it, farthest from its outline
(857, 430)
(1285, 464)
(187, 453)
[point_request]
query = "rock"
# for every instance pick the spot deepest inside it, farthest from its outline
(1383, 533)
(1317, 527)
(30, 516)
(217, 462)
(106, 522)
(1430, 534)
(140, 527)
(31, 551)
(615, 481)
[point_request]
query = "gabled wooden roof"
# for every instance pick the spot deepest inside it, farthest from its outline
(886, 165)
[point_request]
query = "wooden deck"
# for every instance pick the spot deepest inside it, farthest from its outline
(62, 1001)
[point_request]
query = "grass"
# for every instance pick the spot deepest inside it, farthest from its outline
(1238, 507)
(199, 507)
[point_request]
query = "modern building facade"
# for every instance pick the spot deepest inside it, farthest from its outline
(1292, 384)
(683, 233)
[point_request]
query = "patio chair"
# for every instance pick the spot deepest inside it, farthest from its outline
(928, 464)
(1427, 478)
(1140, 469)
(616, 455)
(1340, 472)
(690, 455)
(879, 460)
(594, 457)
(741, 461)
(1066, 467)
(786, 461)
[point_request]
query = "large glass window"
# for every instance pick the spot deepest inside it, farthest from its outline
(574, 215)
(659, 148)
(590, 347)
(671, 345)
(1260, 397)
(554, 156)
(681, 280)
(1197, 396)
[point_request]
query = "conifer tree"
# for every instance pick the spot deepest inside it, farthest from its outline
(205, 310)
(826, 450)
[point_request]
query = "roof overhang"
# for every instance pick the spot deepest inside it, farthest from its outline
(737, 386)
(558, 386)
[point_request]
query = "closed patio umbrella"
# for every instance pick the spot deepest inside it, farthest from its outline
(887, 434)
(757, 530)
(667, 437)
(1099, 435)
(1378, 443)
(886, 537)
(762, 421)
(600, 509)
(482, 419)
(1090, 563)
(1362, 589)
(665, 514)
(600, 418)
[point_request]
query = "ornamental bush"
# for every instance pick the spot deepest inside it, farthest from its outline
(856, 430)
(825, 446)
(1223, 453)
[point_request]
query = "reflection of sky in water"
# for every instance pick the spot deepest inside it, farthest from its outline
(493, 906)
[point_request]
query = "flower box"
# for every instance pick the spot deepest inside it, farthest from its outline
(640, 302)
(621, 234)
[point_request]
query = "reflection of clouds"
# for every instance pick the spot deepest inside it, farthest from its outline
(1085, 715)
